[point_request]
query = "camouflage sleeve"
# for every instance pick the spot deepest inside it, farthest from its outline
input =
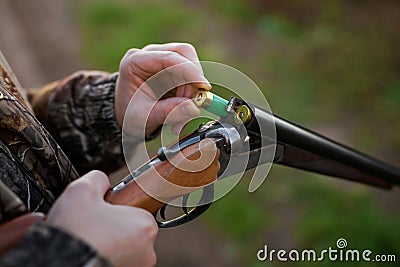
(45, 246)
(79, 112)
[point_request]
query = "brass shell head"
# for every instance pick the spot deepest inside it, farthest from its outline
(203, 98)
(242, 115)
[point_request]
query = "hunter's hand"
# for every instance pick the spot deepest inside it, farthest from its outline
(147, 112)
(124, 235)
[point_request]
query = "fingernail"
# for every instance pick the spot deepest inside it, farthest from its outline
(190, 109)
(206, 83)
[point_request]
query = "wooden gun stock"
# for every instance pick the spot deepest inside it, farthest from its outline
(12, 232)
(201, 153)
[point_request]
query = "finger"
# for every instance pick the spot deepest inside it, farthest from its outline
(186, 50)
(186, 90)
(141, 216)
(132, 51)
(180, 91)
(173, 110)
(178, 70)
(178, 127)
(97, 182)
(189, 91)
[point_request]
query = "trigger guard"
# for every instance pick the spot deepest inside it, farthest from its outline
(208, 191)
(185, 218)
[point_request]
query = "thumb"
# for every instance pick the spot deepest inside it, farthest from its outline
(97, 182)
(173, 110)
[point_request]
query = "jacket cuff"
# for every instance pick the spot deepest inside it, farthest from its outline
(82, 113)
(101, 119)
(48, 246)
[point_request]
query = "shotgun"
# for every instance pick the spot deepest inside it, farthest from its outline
(244, 137)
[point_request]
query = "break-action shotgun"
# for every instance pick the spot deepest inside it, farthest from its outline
(242, 136)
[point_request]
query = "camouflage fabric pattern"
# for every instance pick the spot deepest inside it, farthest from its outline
(79, 113)
(46, 136)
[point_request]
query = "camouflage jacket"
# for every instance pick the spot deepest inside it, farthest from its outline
(48, 138)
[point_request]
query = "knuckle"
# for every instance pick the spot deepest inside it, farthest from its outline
(151, 230)
(98, 173)
(84, 186)
(131, 51)
(168, 55)
(124, 64)
(185, 47)
(164, 113)
(79, 187)
(130, 57)
(149, 225)
(150, 47)
(151, 259)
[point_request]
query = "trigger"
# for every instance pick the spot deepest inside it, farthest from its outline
(185, 199)
(162, 212)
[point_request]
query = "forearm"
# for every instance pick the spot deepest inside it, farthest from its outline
(79, 112)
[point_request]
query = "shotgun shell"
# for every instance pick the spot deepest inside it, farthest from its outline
(211, 102)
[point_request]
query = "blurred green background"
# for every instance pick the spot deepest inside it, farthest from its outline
(332, 66)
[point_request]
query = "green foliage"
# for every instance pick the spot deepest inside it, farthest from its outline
(391, 96)
(240, 217)
(233, 10)
(110, 28)
(348, 213)
(278, 27)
